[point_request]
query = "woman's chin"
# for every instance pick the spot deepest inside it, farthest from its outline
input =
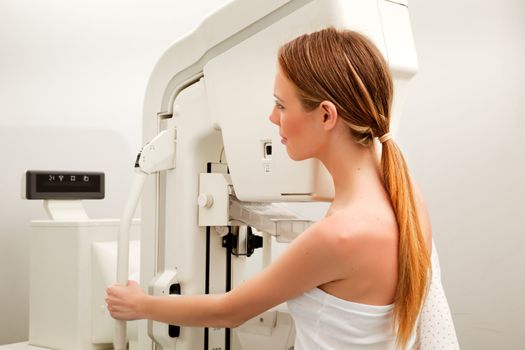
(296, 157)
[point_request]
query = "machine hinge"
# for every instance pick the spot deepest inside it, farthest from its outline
(242, 241)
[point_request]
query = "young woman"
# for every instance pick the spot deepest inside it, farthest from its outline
(356, 279)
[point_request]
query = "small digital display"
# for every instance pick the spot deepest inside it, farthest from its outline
(67, 183)
(64, 185)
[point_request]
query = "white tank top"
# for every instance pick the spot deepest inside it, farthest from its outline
(325, 322)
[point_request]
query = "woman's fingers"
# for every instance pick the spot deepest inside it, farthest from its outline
(132, 283)
(121, 300)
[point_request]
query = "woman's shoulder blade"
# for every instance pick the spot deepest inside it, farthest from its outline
(348, 230)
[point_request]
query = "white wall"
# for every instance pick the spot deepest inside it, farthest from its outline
(463, 134)
(72, 78)
(72, 81)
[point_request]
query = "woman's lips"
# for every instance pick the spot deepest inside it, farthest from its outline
(283, 140)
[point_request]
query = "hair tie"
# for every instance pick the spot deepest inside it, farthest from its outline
(385, 137)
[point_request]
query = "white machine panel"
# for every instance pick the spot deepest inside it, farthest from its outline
(72, 263)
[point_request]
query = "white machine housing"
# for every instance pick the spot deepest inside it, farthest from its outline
(72, 263)
(214, 87)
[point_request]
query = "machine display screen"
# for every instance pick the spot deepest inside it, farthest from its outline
(64, 185)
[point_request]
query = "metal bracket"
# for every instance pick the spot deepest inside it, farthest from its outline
(242, 241)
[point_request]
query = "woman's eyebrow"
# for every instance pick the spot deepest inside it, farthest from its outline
(277, 98)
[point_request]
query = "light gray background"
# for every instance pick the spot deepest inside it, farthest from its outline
(463, 134)
(72, 81)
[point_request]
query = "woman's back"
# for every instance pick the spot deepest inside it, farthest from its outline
(368, 237)
(356, 312)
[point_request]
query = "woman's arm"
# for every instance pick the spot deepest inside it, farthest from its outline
(314, 258)
(131, 303)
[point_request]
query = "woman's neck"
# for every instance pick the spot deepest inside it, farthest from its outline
(356, 175)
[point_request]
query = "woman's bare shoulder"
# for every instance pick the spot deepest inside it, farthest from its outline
(359, 237)
(352, 229)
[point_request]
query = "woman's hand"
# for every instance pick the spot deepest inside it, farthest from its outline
(126, 302)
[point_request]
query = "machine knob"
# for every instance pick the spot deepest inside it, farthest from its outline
(205, 200)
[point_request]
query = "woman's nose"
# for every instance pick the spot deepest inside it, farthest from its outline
(274, 117)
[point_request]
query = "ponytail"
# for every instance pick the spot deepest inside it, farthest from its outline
(413, 257)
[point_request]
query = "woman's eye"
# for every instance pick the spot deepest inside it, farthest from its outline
(279, 106)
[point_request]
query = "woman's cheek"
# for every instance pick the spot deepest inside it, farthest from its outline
(288, 128)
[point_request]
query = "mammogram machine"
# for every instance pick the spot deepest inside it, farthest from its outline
(213, 172)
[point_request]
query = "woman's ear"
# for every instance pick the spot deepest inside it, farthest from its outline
(329, 115)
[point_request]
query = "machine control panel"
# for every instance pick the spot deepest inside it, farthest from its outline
(64, 185)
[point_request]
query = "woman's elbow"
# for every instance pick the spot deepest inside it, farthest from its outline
(232, 323)
(229, 315)
(228, 320)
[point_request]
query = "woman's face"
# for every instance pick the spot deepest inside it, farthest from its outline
(298, 128)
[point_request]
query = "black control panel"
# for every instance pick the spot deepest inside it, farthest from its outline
(64, 185)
